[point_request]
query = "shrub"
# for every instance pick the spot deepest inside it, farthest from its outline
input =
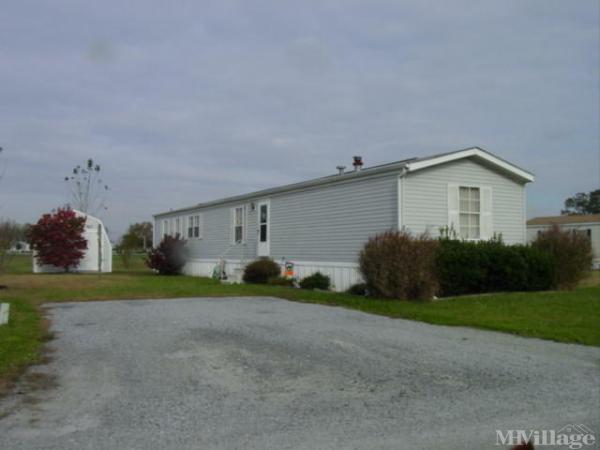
(57, 239)
(169, 257)
(357, 289)
(491, 266)
(541, 268)
(281, 281)
(397, 265)
(459, 268)
(316, 281)
(572, 253)
(261, 270)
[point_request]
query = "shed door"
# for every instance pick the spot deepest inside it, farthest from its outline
(264, 229)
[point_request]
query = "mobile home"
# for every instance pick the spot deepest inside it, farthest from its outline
(589, 225)
(322, 224)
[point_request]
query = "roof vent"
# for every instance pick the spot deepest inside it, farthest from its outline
(340, 169)
(357, 163)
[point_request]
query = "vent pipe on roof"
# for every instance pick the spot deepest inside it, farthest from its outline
(340, 169)
(357, 163)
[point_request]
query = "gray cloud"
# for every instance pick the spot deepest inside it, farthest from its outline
(187, 102)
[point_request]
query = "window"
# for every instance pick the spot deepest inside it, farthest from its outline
(264, 221)
(583, 232)
(238, 224)
(194, 227)
(177, 227)
(469, 210)
(190, 233)
(197, 226)
(165, 230)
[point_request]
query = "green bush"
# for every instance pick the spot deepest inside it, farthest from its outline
(261, 270)
(571, 251)
(397, 265)
(459, 268)
(280, 281)
(357, 289)
(491, 266)
(316, 281)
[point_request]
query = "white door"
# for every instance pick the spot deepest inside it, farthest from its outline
(264, 229)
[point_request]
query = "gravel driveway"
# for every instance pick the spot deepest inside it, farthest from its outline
(263, 373)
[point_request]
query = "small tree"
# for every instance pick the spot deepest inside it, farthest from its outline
(57, 239)
(86, 189)
(572, 253)
(10, 234)
(583, 203)
(261, 270)
(139, 236)
(125, 249)
(397, 265)
(169, 257)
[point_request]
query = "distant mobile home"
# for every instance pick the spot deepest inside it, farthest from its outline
(585, 224)
(98, 256)
(322, 224)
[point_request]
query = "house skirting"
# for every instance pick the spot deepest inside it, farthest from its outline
(342, 274)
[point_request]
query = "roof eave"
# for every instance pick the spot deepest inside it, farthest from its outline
(348, 176)
(476, 152)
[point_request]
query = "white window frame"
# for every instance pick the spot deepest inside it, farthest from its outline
(486, 211)
(177, 226)
(197, 226)
(194, 226)
(165, 228)
(234, 225)
(190, 227)
(469, 212)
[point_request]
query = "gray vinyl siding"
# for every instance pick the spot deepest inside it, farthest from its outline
(425, 195)
(217, 233)
(331, 223)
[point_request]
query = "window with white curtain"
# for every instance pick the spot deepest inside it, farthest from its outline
(194, 226)
(469, 213)
(238, 224)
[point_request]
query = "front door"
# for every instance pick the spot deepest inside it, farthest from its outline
(264, 229)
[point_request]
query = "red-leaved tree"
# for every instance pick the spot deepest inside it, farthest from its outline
(57, 239)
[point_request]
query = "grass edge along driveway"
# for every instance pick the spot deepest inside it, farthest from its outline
(565, 316)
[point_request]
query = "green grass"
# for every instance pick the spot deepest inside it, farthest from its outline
(566, 316)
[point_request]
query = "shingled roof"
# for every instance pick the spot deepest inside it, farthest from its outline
(565, 219)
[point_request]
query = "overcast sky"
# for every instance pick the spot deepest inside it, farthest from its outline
(182, 102)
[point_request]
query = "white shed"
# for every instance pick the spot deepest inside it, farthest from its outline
(98, 256)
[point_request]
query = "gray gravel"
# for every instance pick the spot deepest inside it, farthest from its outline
(262, 373)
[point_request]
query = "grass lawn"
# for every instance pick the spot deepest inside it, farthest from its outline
(568, 316)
